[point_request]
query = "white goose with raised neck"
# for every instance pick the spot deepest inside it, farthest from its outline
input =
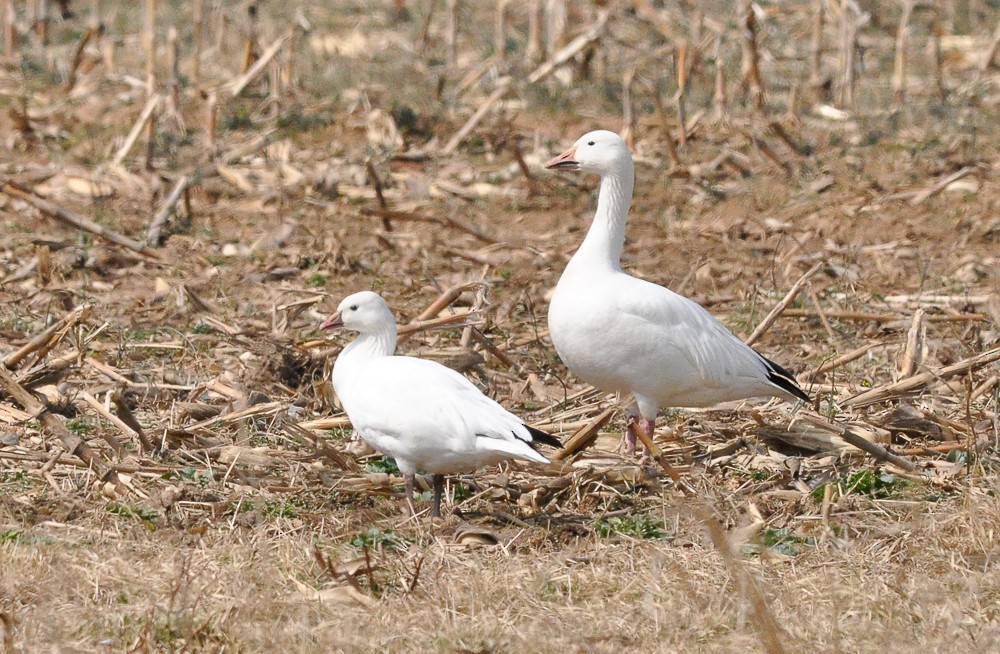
(624, 334)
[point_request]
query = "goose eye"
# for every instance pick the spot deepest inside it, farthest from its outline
(354, 307)
(590, 142)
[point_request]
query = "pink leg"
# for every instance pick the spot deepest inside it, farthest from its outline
(634, 422)
(410, 479)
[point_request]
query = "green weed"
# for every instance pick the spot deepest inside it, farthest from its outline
(376, 539)
(386, 464)
(80, 426)
(637, 525)
(783, 541)
(145, 515)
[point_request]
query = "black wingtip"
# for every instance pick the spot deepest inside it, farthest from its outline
(784, 380)
(539, 436)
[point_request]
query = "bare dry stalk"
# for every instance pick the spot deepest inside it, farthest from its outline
(868, 316)
(984, 388)
(719, 99)
(899, 66)
(108, 54)
(144, 117)
(916, 382)
(280, 72)
(843, 359)
(645, 10)
(149, 45)
(211, 121)
(585, 436)
(154, 234)
(248, 147)
(476, 314)
(73, 443)
(533, 49)
(78, 222)
(257, 410)
(555, 24)
(125, 415)
(78, 57)
(792, 104)
(44, 259)
(793, 145)
(379, 193)
(452, 34)
(523, 166)
(912, 355)
(96, 15)
(173, 64)
(325, 424)
(51, 369)
(9, 28)
(69, 460)
(116, 376)
(150, 140)
(377, 183)
(752, 82)
(20, 117)
(240, 83)
(878, 451)
(499, 92)
(250, 42)
(989, 55)
(773, 315)
(425, 29)
(409, 329)
(629, 124)
(697, 23)
(45, 340)
(765, 148)
(735, 161)
(220, 24)
(42, 20)
(763, 618)
(412, 216)
(588, 36)
(113, 442)
(288, 69)
(822, 314)
(680, 64)
(937, 32)
(445, 299)
(851, 22)
(661, 113)
(198, 27)
(572, 48)
(942, 184)
(816, 78)
(500, 31)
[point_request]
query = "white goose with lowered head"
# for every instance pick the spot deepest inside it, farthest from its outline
(424, 415)
(624, 334)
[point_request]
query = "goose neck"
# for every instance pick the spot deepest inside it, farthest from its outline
(606, 238)
(370, 345)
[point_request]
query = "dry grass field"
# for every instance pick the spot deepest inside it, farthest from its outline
(188, 189)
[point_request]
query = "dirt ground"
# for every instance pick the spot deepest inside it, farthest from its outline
(176, 474)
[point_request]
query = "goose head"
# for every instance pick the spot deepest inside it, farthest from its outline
(600, 152)
(365, 312)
